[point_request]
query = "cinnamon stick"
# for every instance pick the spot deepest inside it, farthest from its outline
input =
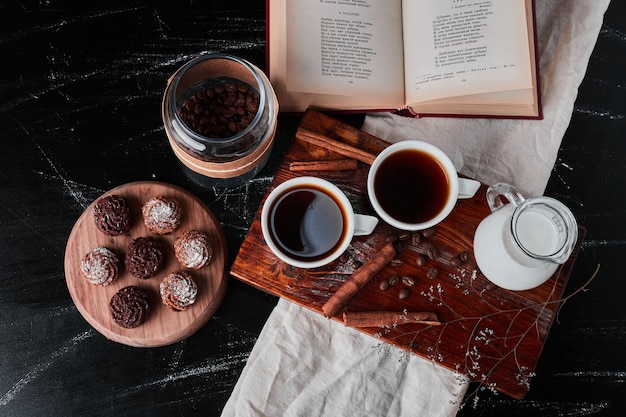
(329, 165)
(336, 146)
(389, 318)
(359, 278)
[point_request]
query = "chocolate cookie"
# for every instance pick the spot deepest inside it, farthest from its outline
(178, 291)
(161, 215)
(129, 307)
(111, 214)
(145, 257)
(193, 249)
(100, 266)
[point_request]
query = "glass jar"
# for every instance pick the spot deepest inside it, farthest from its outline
(220, 115)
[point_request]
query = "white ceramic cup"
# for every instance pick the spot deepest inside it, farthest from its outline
(309, 222)
(409, 199)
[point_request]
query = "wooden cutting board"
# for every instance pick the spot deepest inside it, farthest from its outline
(163, 326)
(492, 335)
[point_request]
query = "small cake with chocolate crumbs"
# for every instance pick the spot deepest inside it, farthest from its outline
(162, 215)
(193, 249)
(100, 266)
(111, 214)
(145, 257)
(129, 307)
(178, 291)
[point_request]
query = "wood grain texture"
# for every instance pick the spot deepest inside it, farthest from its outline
(494, 336)
(80, 115)
(163, 326)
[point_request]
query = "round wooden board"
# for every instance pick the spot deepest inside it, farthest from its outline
(163, 326)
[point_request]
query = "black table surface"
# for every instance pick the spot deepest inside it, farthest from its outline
(81, 88)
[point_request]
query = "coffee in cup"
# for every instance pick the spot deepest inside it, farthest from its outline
(308, 222)
(413, 185)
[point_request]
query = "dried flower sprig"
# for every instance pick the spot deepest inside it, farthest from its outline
(478, 349)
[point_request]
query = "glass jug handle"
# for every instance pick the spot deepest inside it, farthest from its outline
(496, 191)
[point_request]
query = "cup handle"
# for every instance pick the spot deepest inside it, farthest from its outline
(468, 187)
(506, 190)
(364, 225)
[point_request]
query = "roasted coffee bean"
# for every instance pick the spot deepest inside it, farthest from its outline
(464, 256)
(394, 280)
(220, 110)
(432, 252)
(421, 259)
(229, 101)
(428, 232)
(396, 262)
(408, 281)
(228, 113)
(416, 238)
(456, 261)
(404, 293)
(252, 106)
(384, 285)
(404, 236)
(432, 272)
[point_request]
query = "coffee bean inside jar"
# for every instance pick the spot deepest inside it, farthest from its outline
(220, 108)
(220, 116)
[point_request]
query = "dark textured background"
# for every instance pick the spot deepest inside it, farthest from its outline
(80, 92)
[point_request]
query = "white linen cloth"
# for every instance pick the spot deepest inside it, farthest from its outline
(306, 365)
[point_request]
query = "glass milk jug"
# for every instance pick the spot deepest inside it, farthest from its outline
(521, 244)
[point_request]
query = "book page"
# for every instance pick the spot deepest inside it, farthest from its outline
(345, 47)
(461, 47)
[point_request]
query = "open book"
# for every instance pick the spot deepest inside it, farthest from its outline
(473, 58)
